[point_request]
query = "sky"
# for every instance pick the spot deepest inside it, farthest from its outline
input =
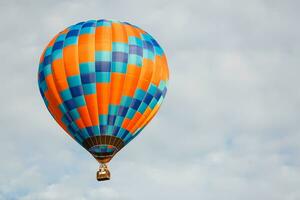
(229, 126)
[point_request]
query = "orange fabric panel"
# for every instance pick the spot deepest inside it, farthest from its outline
(70, 56)
(132, 31)
(165, 68)
(91, 101)
(130, 85)
(117, 81)
(86, 53)
(84, 114)
(79, 123)
(86, 50)
(51, 98)
(146, 74)
(143, 117)
(138, 123)
(157, 71)
(52, 90)
(55, 111)
(147, 111)
(134, 120)
(103, 38)
(143, 84)
(147, 69)
(103, 97)
(126, 123)
(103, 42)
(59, 74)
(131, 80)
(118, 33)
(133, 70)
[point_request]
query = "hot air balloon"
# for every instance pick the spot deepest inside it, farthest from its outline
(103, 81)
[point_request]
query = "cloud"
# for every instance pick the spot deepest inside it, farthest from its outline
(227, 130)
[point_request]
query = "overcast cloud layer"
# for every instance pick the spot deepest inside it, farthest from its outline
(229, 125)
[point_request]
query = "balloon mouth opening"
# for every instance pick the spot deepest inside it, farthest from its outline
(103, 174)
(103, 147)
(103, 156)
(103, 150)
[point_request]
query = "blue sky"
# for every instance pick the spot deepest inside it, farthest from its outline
(229, 125)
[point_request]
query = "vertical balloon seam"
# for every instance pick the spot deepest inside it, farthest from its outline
(93, 100)
(81, 122)
(118, 129)
(54, 89)
(83, 131)
(85, 115)
(96, 74)
(95, 127)
(59, 92)
(66, 68)
(156, 85)
(161, 65)
(105, 85)
(103, 116)
(97, 60)
(97, 106)
(123, 82)
(128, 54)
(122, 131)
(109, 83)
(150, 115)
(126, 117)
(74, 111)
(90, 32)
(104, 129)
(65, 112)
(96, 112)
(150, 69)
(143, 98)
(156, 74)
(112, 83)
(75, 81)
(125, 75)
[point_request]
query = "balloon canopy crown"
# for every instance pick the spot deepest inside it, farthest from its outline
(103, 174)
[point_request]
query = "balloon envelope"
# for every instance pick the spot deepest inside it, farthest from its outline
(103, 81)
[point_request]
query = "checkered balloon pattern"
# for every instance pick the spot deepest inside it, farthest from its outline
(103, 81)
